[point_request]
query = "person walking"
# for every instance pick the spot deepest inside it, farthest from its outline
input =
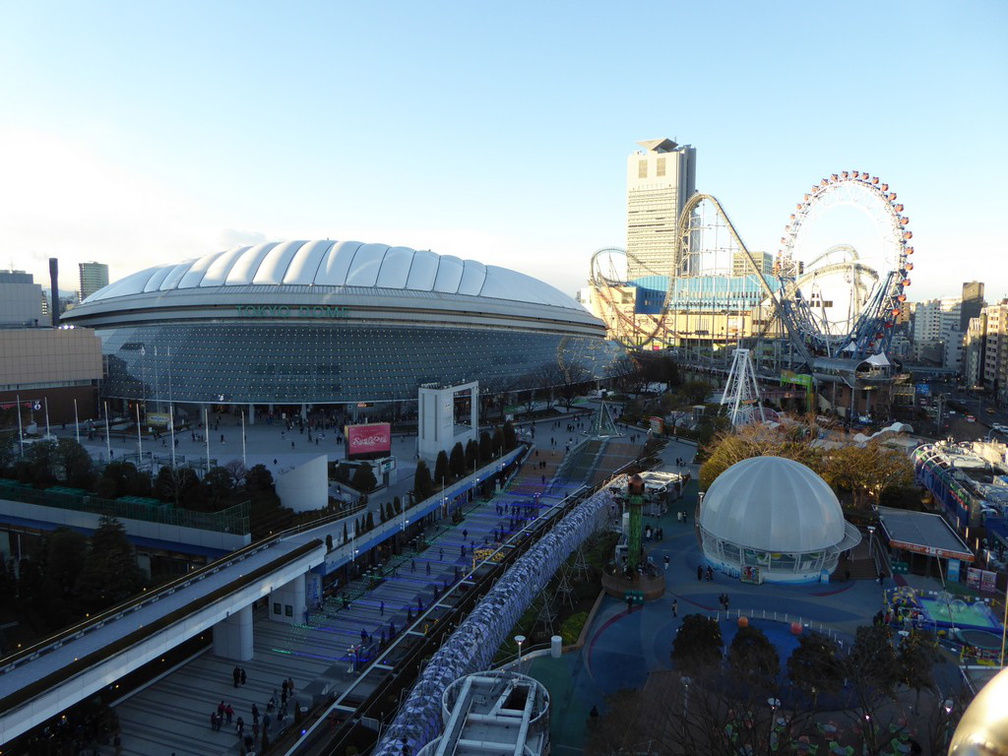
(236, 675)
(242, 674)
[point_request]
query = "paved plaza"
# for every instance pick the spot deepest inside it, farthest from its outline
(172, 715)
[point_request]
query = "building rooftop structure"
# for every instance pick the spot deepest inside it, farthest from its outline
(923, 533)
(497, 712)
(773, 519)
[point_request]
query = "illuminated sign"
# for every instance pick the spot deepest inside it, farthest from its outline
(370, 439)
(330, 312)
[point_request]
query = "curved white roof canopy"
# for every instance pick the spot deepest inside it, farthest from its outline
(340, 264)
(773, 504)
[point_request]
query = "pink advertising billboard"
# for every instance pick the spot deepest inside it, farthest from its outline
(371, 440)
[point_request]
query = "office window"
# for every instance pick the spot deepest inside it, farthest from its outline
(642, 169)
(661, 166)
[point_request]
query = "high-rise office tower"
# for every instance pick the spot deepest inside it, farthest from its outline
(660, 179)
(93, 276)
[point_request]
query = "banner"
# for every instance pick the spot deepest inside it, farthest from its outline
(373, 439)
(988, 581)
(973, 577)
(953, 570)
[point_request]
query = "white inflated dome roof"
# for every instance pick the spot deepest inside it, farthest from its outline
(340, 264)
(773, 504)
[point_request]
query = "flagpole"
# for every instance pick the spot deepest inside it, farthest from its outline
(206, 437)
(171, 424)
(244, 461)
(108, 442)
(139, 437)
(46, 400)
(20, 428)
(76, 421)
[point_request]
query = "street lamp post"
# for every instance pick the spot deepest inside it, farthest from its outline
(519, 639)
(871, 538)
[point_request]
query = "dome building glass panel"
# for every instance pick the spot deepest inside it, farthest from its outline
(774, 518)
(334, 322)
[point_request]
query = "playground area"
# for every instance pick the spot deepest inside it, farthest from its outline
(968, 629)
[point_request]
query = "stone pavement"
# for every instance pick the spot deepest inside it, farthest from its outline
(622, 649)
(172, 714)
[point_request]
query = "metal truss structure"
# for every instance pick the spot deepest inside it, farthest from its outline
(741, 393)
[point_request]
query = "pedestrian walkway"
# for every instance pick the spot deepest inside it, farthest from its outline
(622, 649)
(333, 644)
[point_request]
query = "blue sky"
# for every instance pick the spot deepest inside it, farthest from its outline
(140, 133)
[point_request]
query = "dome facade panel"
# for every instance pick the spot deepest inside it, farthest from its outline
(133, 284)
(175, 275)
(395, 268)
(366, 265)
(274, 266)
(775, 504)
(197, 270)
(502, 283)
(306, 262)
(449, 274)
(473, 276)
(336, 265)
(245, 267)
(423, 270)
(217, 273)
(154, 282)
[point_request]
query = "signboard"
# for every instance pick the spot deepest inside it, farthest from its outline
(158, 419)
(934, 551)
(657, 425)
(924, 389)
(368, 441)
(953, 570)
(973, 577)
(988, 581)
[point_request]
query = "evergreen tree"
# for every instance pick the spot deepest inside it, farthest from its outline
(510, 437)
(110, 574)
(364, 478)
(697, 644)
(369, 523)
(815, 666)
(486, 447)
(457, 463)
(497, 442)
(471, 454)
(259, 478)
(442, 473)
(329, 542)
(397, 504)
(753, 658)
(74, 463)
(345, 536)
(423, 488)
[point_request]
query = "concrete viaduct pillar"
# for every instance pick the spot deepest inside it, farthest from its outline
(232, 637)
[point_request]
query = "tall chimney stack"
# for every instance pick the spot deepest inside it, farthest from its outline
(54, 304)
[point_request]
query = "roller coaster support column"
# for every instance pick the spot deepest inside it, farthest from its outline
(635, 503)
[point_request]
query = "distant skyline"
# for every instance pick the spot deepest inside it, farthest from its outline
(138, 135)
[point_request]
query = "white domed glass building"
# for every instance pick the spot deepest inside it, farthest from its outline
(773, 519)
(336, 322)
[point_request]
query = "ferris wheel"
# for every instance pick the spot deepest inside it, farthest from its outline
(843, 299)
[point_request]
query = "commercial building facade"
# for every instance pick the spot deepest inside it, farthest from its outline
(660, 179)
(93, 277)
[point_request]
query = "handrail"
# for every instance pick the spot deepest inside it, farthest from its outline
(136, 602)
(81, 664)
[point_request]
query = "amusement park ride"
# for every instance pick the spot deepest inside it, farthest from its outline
(833, 304)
